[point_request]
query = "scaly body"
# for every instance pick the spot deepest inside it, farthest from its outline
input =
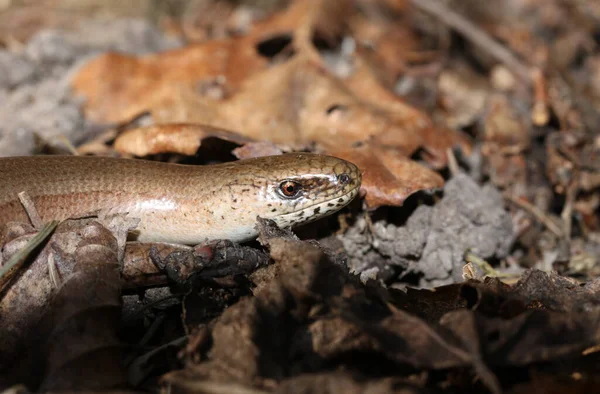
(180, 203)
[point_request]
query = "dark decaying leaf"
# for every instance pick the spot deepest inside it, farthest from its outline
(307, 312)
(61, 314)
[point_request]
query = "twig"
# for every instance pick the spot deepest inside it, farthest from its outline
(537, 213)
(567, 212)
(32, 212)
(213, 387)
(19, 257)
(68, 144)
(488, 270)
(53, 271)
(477, 36)
(452, 162)
(540, 114)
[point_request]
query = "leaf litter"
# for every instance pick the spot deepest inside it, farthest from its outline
(468, 263)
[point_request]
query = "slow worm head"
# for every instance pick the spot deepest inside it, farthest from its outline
(180, 203)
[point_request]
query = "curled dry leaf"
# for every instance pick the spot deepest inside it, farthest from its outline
(175, 138)
(257, 149)
(186, 139)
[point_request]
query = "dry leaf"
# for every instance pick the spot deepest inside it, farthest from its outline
(118, 88)
(299, 103)
(176, 138)
(389, 177)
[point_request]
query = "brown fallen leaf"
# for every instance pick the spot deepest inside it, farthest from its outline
(118, 96)
(175, 138)
(389, 177)
(329, 111)
(140, 82)
(257, 149)
(385, 38)
(323, 111)
(417, 127)
(299, 104)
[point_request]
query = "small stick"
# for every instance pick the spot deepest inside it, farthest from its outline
(452, 163)
(68, 144)
(537, 213)
(567, 212)
(477, 36)
(540, 115)
(32, 212)
(53, 271)
(19, 257)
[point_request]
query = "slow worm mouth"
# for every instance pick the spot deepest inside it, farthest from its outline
(317, 210)
(350, 194)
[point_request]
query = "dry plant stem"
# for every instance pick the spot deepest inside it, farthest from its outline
(537, 214)
(471, 257)
(53, 271)
(567, 212)
(476, 36)
(217, 388)
(591, 350)
(32, 213)
(67, 144)
(452, 163)
(540, 115)
(488, 270)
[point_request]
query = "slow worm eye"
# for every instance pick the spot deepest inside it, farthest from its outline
(344, 179)
(290, 189)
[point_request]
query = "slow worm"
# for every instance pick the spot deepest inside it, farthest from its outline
(180, 203)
